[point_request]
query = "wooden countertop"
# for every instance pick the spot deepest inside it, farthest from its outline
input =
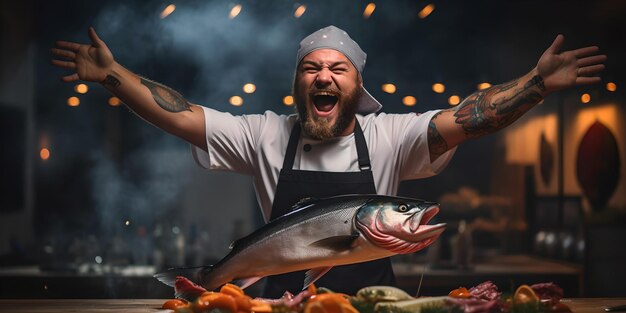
(578, 305)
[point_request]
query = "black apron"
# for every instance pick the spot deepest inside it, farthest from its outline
(294, 185)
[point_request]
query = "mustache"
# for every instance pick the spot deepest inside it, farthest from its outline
(331, 90)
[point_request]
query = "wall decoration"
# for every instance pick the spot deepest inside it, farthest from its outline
(598, 165)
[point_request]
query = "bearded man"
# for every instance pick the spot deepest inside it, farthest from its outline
(335, 144)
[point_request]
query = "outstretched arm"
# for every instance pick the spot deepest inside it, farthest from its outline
(487, 111)
(154, 102)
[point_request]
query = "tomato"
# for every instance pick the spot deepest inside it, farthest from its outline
(215, 300)
(460, 293)
(174, 304)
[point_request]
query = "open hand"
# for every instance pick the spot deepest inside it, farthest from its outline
(561, 70)
(89, 62)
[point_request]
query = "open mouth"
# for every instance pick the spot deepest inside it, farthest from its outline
(324, 102)
(421, 219)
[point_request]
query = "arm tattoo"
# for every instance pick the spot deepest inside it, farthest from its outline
(436, 144)
(483, 113)
(111, 81)
(166, 97)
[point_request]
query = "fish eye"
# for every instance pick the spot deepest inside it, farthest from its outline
(403, 208)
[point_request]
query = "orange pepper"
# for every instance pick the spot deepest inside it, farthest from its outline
(329, 303)
(258, 306)
(244, 303)
(460, 293)
(212, 300)
(232, 290)
(174, 303)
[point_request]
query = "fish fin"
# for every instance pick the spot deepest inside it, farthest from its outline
(244, 283)
(186, 289)
(194, 274)
(314, 274)
(336, 243)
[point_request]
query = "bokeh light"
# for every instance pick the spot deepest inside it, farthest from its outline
(44, 154)
(369, 9)
(73, 101)
(585, 98)
(234, 11)
(425, 12)
(409, 101)
(439, 88)
(168, 10)
(299, 11)
(288, 100)
(389, 88)
(236, 101)
(249, 88)
(454, 100)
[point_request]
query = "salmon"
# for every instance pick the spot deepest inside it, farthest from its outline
(319, 234)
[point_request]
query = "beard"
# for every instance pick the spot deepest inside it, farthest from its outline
(323, 128)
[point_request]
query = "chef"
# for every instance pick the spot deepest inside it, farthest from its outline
(336, 143)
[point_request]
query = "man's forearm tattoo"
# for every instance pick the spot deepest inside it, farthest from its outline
(436, 144)
(111, 81)
(483, 113)
(166, 97)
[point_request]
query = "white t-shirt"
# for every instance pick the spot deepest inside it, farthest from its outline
(255, 145)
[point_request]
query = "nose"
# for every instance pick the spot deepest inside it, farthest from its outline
(323, 78)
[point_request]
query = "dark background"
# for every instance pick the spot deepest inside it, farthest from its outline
(108, 166)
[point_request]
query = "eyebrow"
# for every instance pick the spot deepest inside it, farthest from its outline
(318, 64)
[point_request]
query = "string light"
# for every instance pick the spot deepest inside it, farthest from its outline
(483, 86)
(409, 101)
(369, 9)
(168, 10)
(611, 86)
(288, 100)
(585, 98)
(44, 154)
(425, 12)
(234, 11)
(454, 100)
(236, 101)
(114, 101)
(81, 88)
(73, 101)
(299, 11)
(439, 88)
(389, 88)
(249, 88)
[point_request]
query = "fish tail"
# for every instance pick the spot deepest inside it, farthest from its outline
(194, 274)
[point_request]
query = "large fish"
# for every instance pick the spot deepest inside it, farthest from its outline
(320, 234)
